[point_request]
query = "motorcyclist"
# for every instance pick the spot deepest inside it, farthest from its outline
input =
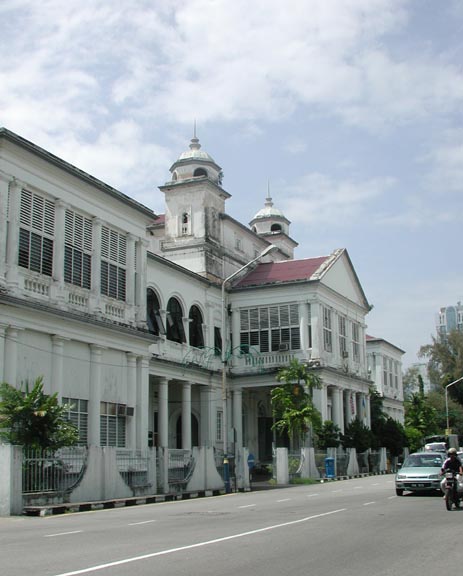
(452, 463)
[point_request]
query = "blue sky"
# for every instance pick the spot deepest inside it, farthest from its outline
(350, 111)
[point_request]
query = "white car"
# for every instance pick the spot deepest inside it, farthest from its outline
(420, 472)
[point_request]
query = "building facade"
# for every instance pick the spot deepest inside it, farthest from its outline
(132, 317)
(449, 318)
(385, 369)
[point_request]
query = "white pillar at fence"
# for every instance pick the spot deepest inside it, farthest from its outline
(11, 484)
(282, 466)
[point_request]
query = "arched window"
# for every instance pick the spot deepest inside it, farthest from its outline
(196, 327)
(185, 223)
(175, 330)
(200, 172)
(175, 176)
(275, 228)
(153, 313)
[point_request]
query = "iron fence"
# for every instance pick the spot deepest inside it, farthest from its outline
(133, 466)
(53, 470)
(181, 465)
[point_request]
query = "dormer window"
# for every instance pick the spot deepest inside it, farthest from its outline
(199, 172)
(275, 228)
(175, 176)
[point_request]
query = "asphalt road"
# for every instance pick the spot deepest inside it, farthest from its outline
(342, 528)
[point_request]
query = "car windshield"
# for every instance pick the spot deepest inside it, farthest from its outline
(423, 461)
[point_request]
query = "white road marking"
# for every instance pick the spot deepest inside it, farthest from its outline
(138, 523)
(284, 500)
(198, 545)
(368, 503)
(247, 506)
(311, 495)
(62, 534)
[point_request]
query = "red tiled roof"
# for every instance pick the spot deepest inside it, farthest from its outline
(281, 272)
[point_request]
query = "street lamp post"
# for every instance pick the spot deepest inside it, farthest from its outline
(447, 401)
(226, 466)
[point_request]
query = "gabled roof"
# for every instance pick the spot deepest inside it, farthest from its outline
(373, 339)
(334, 271)
(282, 272)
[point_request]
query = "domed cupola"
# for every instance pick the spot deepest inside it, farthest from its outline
(269, 219)
(271, 223)
(196, 163)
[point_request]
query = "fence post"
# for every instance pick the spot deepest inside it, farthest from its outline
(282, 466)
(11, 484)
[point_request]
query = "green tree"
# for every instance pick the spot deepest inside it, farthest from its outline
(445, 361)
(328, 435)
(421, 419)
(411, 382)
(34, 419)
(292, 402)
(357, 435)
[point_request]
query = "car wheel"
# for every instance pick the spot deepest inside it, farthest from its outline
(399, 491)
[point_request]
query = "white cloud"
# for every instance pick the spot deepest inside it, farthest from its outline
(319, 200)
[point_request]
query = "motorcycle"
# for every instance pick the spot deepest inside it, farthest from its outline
(449, 486)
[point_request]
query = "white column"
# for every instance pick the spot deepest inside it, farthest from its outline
(58, 249)
(95, 299)
(131, 272)
(13, 235)
(96, 353)
(303, 325)
(163, 413)
(321, 401)
(317, 340)
(347, 407)
(140, 286)
(4, 185)
(142, 401)
(57, 365)
(10, 370)
(206, 421)
(336, 406)
(186, 416)
(132, 399)
(238, 417)
(353, 407)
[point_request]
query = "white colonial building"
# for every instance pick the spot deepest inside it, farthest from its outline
(385, 368)
(122, 311)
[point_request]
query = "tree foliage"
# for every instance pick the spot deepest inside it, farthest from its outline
(445, 361)
(328, 435)
(292, 402)
(357, 435)
(386, 432)
(34, 419)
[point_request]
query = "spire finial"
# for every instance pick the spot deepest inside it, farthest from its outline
(194, 144)
(268, 200)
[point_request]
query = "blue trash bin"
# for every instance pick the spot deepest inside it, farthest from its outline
(329, 467)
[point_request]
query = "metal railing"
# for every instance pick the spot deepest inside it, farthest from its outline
(133, 466)
(181, 466)
(53, 470)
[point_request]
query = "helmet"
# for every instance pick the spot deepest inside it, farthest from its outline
(452, 451)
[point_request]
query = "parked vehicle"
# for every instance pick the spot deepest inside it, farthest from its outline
(420, 472)
(449, 486)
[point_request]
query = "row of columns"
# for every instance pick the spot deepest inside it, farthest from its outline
(137, 383)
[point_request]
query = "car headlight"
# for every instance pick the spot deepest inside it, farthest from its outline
(401, 476)
(434, 476)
